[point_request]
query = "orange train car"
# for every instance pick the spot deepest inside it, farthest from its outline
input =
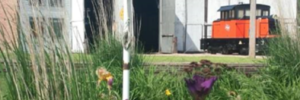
(230, 33)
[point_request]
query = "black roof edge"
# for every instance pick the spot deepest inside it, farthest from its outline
(230, 7)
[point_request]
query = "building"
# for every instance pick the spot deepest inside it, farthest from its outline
(66, 17)
(8, 21)
(48, 19)
(160, 25)
(189, 20)
(70, 20)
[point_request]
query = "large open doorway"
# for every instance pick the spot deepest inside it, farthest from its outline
(147, 14)
(98, 16)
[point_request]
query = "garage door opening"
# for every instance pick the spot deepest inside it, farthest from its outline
(95, 13)
(147, 15)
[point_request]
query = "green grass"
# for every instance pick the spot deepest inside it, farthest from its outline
(193, 58)
(77, 57)
(3, 85)
(63, 81)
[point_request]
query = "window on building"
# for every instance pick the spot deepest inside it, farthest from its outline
(265, 13)
(36, 26)
(56, 26)
(35, 2)
(33, 25)
(56, 3)
(240, 14)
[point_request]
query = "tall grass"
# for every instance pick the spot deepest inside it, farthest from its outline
(46, 70)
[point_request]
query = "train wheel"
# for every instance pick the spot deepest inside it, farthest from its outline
(243, 51)
(225, 51)
(211, 50)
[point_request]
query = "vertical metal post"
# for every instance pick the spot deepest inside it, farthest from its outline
(160, 26)
(126, 53)
(205, 18)
(252, 41)
(185, 26)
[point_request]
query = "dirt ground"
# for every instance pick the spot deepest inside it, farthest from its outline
(204, 54)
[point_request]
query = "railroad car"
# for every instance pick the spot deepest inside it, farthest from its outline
(230, 33)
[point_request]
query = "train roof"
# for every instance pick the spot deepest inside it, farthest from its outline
(242, 6)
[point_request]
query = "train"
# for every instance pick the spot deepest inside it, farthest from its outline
(230, 33)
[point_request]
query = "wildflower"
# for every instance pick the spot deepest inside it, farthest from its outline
(218, 70)
(187, 69)
(193, 64)
(231, 93)
(104, 75)
(199, 66)
(200, 86)
(206, 70)
(234, 95)
(206, 62)
(109, 82)
(167, 92)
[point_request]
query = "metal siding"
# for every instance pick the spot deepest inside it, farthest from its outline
(180, 23)
(195, 21)
(167, 25)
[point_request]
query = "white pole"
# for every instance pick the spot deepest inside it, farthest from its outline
(126, 74)
(252, 29)
(126, 54)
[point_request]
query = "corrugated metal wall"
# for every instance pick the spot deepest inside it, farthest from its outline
(195, 22)
(180, 23)
(189, 24)
(167, 27)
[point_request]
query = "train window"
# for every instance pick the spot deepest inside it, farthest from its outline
(265, 13)
(222, 15)
(232, 15)
(247, 14)
(226, 15)
(258, 12)
(240, 13)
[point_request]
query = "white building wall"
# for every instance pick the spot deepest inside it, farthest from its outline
(46, 12)
(78, 28)
(195, 22)
(189, 24)
(180, 23)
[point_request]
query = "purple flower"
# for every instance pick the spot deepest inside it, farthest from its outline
(200, 86)
(110, 83)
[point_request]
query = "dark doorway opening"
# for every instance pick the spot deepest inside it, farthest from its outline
(147, 14)
(93, 18)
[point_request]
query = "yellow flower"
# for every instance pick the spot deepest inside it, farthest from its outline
(168, 93)
(103, 74)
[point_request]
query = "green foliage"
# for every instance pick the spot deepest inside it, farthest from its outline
(39, 73)
(109, 52)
